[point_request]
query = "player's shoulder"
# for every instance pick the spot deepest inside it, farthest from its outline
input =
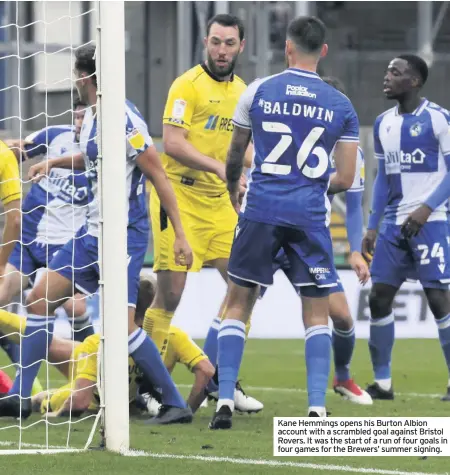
(436, 111)
(191, 76)
(50, 133)
(386, 115)
(134, 117)
(176, 332)
(90, 344)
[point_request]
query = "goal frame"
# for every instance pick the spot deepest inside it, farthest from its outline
(111, 140)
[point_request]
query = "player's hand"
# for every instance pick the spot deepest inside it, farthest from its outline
(368, 245)
(183, 252)
(415, 221)
(39, 171)
(359, 265)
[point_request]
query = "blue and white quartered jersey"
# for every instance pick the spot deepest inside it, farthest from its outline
(55, 208)
(138, 140)
(414, 149)
(296, 121)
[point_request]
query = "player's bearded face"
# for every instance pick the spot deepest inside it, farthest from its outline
(223, 47)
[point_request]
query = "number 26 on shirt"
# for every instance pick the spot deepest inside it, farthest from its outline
(270, 165)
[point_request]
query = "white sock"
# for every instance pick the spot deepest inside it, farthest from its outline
(384, 384)
(225, 402)
(448, 384)
(320, 410)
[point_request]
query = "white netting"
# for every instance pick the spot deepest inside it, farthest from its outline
(38, 94)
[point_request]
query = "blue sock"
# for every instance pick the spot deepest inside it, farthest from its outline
(146, 355)
(231, 339)
(444, 337)
(37, 338)
(82, 327)
(10, 348)
(210, 348)
(343, 344)
(381, 342)
(318, 362)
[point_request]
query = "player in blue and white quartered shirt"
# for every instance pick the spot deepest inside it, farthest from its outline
(412, 145)
(343, 337)
(76, 264)
(296, 120)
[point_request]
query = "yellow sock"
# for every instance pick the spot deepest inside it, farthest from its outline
(37, 387)
(156, 324)
(12, 325)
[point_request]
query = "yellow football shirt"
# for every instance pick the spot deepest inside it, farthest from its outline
(204, 106)
(182, 349)
(10, 184)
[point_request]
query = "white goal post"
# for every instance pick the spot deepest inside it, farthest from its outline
(113, 241)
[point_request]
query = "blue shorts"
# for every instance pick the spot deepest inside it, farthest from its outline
(281, 262)
(78, 262)
(309, 252)
(29, 258)
(424, 257)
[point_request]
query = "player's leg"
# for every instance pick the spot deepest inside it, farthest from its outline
(432, 258)
(80, 317)
(343, 343)
(250, 264)
(391, 265)
(310, 254)
(142, 349)
(171, 279)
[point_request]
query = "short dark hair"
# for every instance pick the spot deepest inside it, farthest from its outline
(308, 33)
(85, 60)
(335, 82)
(417, 64)
(224, 19)
(77, 102)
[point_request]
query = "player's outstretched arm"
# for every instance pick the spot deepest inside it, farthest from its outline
(177, 146)
(82, 396)
(203, 372)
(149, 163)
(235, 162)
(42, 169)
(345, 161)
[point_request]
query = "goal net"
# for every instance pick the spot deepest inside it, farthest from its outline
(43, 208)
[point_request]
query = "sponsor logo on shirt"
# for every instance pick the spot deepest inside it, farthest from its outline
(178, 109)
(299, 91)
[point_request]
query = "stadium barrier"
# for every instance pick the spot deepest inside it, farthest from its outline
(278, 314)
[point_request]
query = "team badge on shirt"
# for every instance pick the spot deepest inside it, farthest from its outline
(136, 139)
(415, 130)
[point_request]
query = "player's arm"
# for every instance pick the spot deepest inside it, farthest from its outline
(235, 163)
(42, 169)
(150, 165)
(414, 222)
(79, 402)
(346, 152)
(11, 232)
(177, 120)
(203, 372)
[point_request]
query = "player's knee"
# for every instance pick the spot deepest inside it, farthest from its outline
(439, 302)
(37, 304)
(380, 304)
(342, 322)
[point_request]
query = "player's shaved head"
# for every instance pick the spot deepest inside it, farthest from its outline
(146, 294)
(308, 34)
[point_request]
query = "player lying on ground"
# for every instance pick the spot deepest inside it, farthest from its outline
(78, 363)
(196, 134)
(76, 263)
(296, 120)
(52, 212)
(412, 145)
(343, 336)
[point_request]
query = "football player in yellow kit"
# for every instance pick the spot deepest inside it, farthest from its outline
(80, 394)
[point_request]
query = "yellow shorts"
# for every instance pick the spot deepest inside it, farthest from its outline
(208, 221)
